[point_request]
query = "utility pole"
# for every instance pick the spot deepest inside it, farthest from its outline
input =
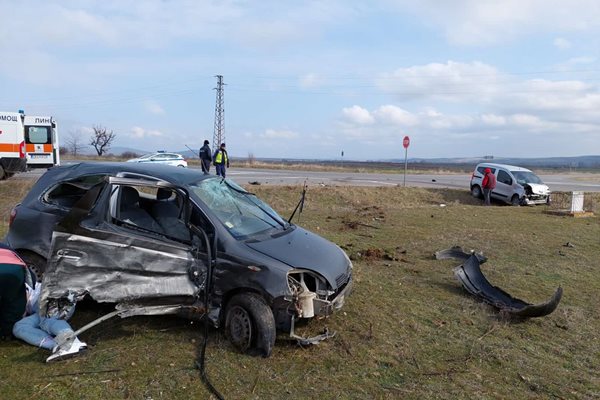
(219, 133)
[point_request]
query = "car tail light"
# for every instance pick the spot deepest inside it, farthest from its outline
(22, 150)
(13, 215)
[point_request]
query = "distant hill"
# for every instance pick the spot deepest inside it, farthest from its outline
(534, 162)
(551, 162)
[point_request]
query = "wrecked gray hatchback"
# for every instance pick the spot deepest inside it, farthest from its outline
(163, 240)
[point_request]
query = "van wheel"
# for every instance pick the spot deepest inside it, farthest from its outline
(35, 263)
(250, 325)
(515, 200)
(476, 192)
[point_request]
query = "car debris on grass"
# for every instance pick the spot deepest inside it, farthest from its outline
(473, 281)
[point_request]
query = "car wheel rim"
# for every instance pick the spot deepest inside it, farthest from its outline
(240, 328)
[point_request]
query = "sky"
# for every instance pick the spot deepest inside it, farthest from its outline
(310, 79)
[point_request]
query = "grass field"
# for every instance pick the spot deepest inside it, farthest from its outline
(407, 331)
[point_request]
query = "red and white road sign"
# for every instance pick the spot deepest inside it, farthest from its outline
(406, 142)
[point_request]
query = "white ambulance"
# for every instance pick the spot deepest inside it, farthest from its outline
(41, 142)
(12, 144)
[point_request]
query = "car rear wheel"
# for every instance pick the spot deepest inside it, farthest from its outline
(515, 200)
(476, 192)
(250, 325)
(36, 263)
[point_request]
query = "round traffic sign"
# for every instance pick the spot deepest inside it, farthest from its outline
(406, 142)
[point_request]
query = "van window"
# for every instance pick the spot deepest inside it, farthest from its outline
(504, 177)
(38, 134)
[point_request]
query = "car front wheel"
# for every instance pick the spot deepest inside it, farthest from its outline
(515, 200)
(250, 325)
(476, 192)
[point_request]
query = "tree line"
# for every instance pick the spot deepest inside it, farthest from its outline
(100, 139)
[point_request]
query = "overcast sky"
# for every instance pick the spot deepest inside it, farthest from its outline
(308, 79)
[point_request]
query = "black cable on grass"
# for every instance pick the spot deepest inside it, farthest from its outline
(200, 361)
(202, 367)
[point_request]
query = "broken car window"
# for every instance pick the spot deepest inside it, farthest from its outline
(66, 194)
(132, 205)
(242, 213)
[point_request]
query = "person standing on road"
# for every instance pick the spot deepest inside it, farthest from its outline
(488, 184)
(221, 160)
(205, 157)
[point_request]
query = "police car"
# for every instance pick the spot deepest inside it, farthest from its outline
(161, 157)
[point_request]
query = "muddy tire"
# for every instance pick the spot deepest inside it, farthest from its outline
(250, 325)
(35, 263)
(476, 192)
(515, 200)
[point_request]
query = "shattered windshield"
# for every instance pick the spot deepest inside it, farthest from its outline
(241, 212)
(524, 177)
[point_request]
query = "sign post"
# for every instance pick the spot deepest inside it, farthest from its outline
(405, 143)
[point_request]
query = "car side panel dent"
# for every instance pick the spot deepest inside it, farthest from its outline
(115, 272)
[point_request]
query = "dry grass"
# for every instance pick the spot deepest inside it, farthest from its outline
(407, 331)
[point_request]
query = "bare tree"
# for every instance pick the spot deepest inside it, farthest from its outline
(74, 142)
(102, 139)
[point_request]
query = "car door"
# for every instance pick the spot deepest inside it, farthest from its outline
(123, 259)
(504, 186)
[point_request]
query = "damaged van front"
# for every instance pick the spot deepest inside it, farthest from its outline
(161, 240)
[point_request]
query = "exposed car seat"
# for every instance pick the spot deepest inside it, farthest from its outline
(132, 213)
(167, 211)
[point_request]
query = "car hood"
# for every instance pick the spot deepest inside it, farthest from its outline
(303, 249)
(537, 188)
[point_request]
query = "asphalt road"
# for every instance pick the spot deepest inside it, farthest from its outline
(557, 182)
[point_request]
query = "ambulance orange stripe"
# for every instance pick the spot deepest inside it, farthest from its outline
(30, 148)
(9, 147)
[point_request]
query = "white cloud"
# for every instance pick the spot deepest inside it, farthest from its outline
(395, 115)
(481, 22)
(309, 81)
(153, 107)
(450, 81)
(493, 120)
(140, 133)
(562, 43)
(278, 134)
(157, 23)
(358, 115)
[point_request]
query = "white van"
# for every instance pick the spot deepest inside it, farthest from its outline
(41, 142)
(12, 144)
(514, 185)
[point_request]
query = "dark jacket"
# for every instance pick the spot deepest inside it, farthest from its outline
(204, 153)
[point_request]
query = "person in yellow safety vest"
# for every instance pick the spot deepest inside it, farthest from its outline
(221, 160)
